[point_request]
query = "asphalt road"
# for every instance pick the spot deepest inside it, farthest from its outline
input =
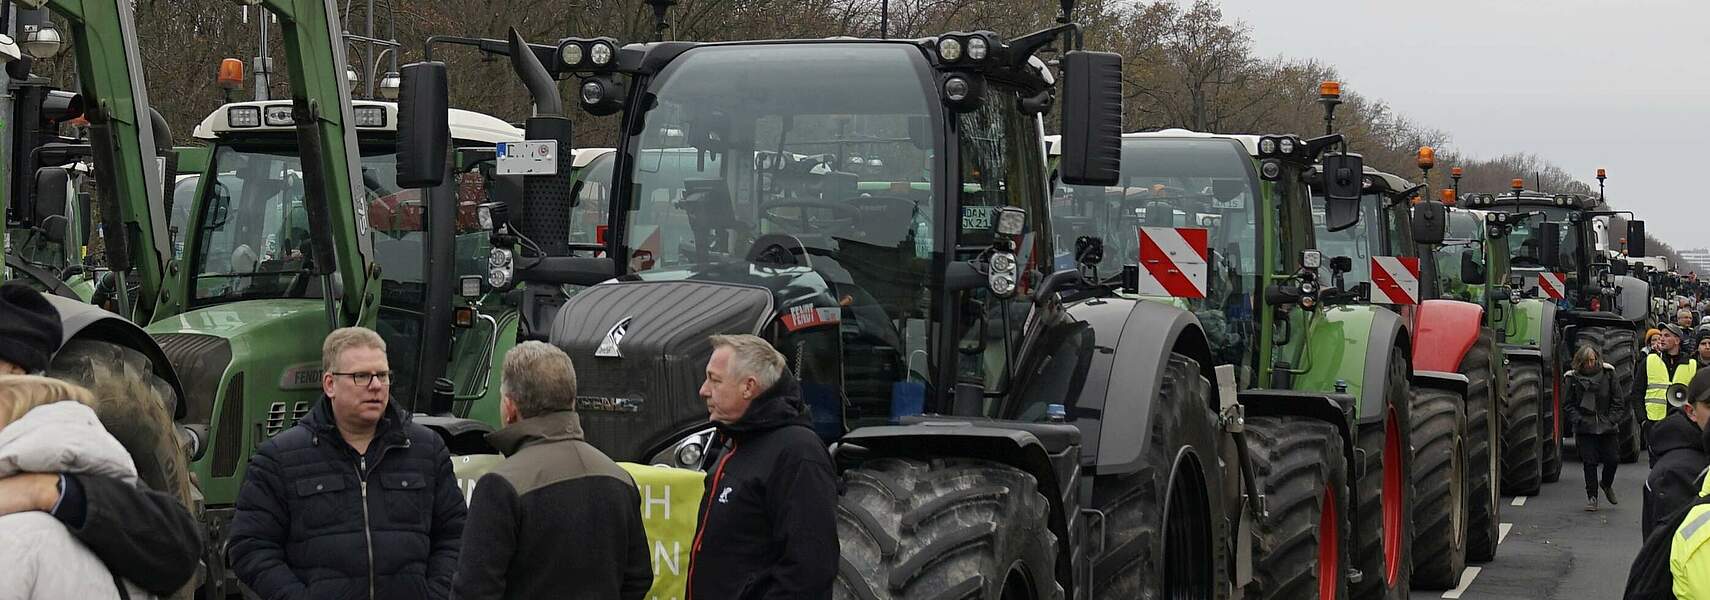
(1554, 549)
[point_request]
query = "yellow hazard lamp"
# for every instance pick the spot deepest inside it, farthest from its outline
(1448, 196)
(1455, 172)
(1427, 158)
(231, 74)
(1330, 90)
(1517, 185)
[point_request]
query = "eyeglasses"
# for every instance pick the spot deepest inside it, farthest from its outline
(367, 379)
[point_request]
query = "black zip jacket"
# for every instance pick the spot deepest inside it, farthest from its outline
(767, 526)
(557, 519)
(144, 536)
(1677, 457)
(317, 520)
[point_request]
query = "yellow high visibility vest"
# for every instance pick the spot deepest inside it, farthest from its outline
(1689, 554)
(1657, 382)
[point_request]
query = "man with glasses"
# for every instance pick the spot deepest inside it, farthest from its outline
(353, 501)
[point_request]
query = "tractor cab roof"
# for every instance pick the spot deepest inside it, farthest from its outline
(371, 116)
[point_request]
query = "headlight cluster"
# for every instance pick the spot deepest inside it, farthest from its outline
(499, 267)
(1496, 217)
(1569, 200)
(586, 55)
(1282, 146)
(1002, 274)
(971, 48)
(1481, 199)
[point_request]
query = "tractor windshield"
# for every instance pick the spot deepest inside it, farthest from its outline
(1359, 243)
(1461, 268)
(1523, 240)
(254, 227)
(1207, 183)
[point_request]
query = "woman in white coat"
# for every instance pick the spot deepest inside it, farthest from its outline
(46, 426)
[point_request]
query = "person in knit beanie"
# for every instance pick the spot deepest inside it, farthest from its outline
(30, 328)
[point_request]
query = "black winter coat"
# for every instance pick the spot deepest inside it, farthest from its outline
(1677, 457)
(767, 527)
(317, 520)
(144, 536)
(1591, 404)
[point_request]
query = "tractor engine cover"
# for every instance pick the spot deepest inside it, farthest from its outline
(641, 351)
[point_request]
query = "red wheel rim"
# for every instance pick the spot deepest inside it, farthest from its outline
(1329, 546)
(1391, 500)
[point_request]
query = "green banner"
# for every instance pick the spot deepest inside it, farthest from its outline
(670, 501)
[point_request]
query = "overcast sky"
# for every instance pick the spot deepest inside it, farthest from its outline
(1621, 84)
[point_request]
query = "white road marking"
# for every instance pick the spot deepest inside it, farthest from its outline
(1503, 532)
(1466, 580)
(1519, 501)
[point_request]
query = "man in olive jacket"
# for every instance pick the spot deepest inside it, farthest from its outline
(355, 501)
(557, 519)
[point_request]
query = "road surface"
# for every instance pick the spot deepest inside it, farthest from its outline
(1554, 549)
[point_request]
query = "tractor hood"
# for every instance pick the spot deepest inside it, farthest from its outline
(640, 348)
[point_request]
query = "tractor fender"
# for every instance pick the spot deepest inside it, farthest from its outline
(1533, 325)
(1050, 452)
(1116, 404)
(1335, 355)
(1447, 331)
(1441, 380)
(87, 321)
(461, 436)
(1333, 408)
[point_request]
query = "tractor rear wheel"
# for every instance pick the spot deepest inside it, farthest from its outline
(1484, 452)
(1621, 350)
(1157, 520)
(136, 406)
(1440, 501)
(1552, 440)
(1299, 462)
(1522, 452)
(944, 528)
(1383, 541)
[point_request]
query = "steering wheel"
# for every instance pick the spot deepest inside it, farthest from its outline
(844, 220)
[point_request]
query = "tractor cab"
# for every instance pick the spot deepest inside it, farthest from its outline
(874, 208)
(1559, 237)
(248, 241)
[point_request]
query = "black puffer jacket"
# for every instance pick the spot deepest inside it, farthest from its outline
(1677, 457)
(302, 529)
(767, 526)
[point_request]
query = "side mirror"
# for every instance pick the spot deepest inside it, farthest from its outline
(1429, 222)
(424, 128)
(1636, 239)
(1342, 179)
(1549, 244)
(47, 206)
(1092, 118)
(1472, 273)
(1341, 264)
(1619, 268)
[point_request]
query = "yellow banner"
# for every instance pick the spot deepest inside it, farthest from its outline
(670, 503)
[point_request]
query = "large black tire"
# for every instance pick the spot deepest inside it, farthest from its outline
(1158, 546)
(1380, 443)
(944, 528)
(1484, 451)
(1440, 501)
(1300, 465)
(1621, 350)
(1551, 462)
(1522, 441)
(136, 406)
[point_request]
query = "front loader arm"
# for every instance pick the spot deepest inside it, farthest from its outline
(326, 134)
(128, 177)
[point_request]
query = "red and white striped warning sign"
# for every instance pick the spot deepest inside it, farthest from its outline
(1173, 261)
(1395, 280)
(1553, 285)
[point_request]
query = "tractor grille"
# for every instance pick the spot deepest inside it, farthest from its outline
(200, 361)
(278, 419)
(632, 403)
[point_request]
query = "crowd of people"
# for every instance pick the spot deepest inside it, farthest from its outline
(357, 500)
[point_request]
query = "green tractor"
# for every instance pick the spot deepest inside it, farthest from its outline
(962, 369)
(1455, 429)
(1556, 256)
